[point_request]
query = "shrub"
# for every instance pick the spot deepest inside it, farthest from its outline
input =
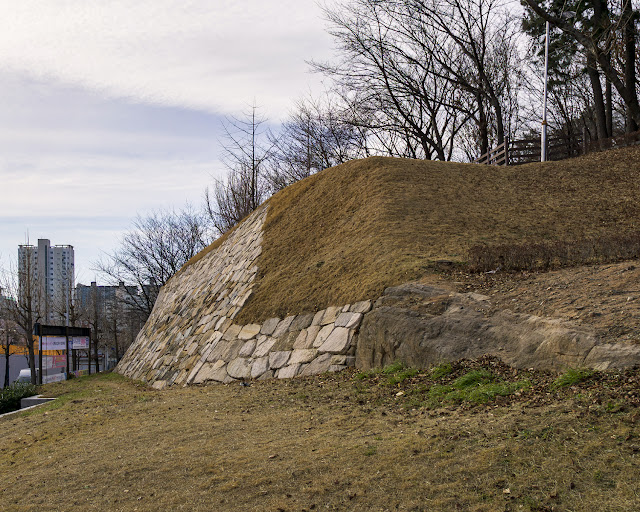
(554, 254)
(11, 395)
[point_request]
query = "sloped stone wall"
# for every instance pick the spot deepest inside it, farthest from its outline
(191, 338)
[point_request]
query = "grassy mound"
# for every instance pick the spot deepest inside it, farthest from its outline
(348, 232)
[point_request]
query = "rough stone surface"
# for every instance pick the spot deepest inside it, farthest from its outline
(239, 368)
(303, 356)
(269, 326)
(260, 366)
(330, 315)
(348, 320)
(337, 342)
(320, 364)
(278, 359)
(264, 347)
(422, 325)
(361, 307)
(323, 334)
(301, 340)
(301, 322)
(191, 337)
(247, 349)
(288, 372)
(249, 331)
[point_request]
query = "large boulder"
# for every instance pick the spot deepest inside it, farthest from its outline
(422, 325)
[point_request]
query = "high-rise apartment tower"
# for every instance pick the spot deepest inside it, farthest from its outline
(47, 272)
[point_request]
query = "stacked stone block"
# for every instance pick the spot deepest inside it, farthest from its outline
(191, 336)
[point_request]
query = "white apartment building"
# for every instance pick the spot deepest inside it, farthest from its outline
(48, 271)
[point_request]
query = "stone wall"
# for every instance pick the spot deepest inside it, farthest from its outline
(191, 338)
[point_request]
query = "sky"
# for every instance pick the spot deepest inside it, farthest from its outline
(113, 108)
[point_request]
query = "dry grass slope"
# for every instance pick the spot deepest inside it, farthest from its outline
(330, 442)
(349, 232)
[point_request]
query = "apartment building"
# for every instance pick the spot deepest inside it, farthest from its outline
(47, 272)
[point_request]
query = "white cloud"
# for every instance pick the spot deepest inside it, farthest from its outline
(207, 55)
(113, 107)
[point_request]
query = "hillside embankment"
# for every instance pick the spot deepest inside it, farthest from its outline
(294, 288)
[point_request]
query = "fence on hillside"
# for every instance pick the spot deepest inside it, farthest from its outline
(524, 151)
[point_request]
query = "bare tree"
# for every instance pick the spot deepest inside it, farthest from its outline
(402, 92)
(153, 250)
(9, 332)
(246, 149)
(427, 68)
(318, 134)
(24, 307)
(599, 33)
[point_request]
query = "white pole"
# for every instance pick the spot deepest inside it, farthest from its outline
(543, 141)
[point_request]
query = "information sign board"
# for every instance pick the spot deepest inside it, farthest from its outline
(54, 343)
(57, 377)
(55, 361)
(80, 343)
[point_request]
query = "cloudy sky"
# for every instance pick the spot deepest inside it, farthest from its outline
(111, 108)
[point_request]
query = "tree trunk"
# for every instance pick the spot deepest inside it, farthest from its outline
(32, 362)
(630, 62)
(483, 132)
(95, 355)
(115, 339)
(630, 97)
(7, 354)
(497, 109)
(598, 98)
(609, 107)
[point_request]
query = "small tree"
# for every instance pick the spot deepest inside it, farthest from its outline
(24, 306)
(9, 333)
(245, 152)
(152, 251)
(318, 134)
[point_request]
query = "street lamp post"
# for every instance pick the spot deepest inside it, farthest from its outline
(543, 141)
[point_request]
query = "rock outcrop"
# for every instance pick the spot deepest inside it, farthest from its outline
(424, 325)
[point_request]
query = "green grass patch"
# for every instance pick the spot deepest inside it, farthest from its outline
(473, 378)
(395, 372)
(478, 393)
(571, 377)
(476, 387)
(440, 371)
(394, 367)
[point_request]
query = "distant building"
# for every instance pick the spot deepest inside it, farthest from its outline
(49, 273)
(111, 313)
(105, 298)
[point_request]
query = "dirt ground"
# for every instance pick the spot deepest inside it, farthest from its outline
(604, 297)
(333, 442)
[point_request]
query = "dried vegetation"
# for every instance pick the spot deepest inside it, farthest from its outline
(348, 232)
(344, 441)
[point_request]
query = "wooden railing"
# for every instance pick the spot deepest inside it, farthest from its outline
(496, 156)
(628, 139)
(524, 151)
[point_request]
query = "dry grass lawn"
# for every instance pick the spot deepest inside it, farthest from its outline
(350, 231)
(331, 442)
